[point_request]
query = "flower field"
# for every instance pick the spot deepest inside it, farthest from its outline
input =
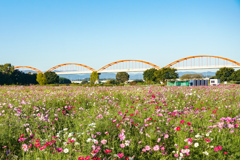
(122, 122)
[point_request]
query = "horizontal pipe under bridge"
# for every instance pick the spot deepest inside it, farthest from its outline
(143, 69)
(104, 71)
(205, 67)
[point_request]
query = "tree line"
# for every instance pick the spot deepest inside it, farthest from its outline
(154, 75)
(227, 74)
(11, 76)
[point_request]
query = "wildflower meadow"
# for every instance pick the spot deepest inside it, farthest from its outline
(119, 122)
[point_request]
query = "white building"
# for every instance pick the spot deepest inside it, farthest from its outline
(214, 82)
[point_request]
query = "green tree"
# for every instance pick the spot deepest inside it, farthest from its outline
(6, 71)
(94, 77)
(63, 80)
(52, 77)
(41, 79)
(7, 68)
(84, 81)
(149, 76)
(166, 73)
(191, 76)
(225, 74)
(236, 75)
(122, 77)
(111, 81)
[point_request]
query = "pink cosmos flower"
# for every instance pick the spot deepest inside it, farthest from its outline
(178, 129)
(121, 136)
(59, 149)
(25, 147)
(176, 155)
(156, 148)
(147, 148)
(43, 147)
(104, 141)
(166, 136)
(108, 150)
(219, 147)
(207, 140)
(122, 145)
(162, 148)
(216, 149)
(120, 155)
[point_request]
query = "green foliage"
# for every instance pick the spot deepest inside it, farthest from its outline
(94, 77)
(111, 81)
(6, 68)
(122, 77)
(41, 79)
(191, 76)
(63, 80)
(84, 81)
(236, 75)
(51, 77)
(166, 73)
(213, 77)
(10, 76)
(149, 76)
(224, 74)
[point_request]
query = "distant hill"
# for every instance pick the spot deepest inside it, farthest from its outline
(133, 75)
(205, 74)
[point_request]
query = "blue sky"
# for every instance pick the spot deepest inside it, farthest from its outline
(46, 33)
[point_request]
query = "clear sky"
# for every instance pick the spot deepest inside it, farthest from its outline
(45, 33)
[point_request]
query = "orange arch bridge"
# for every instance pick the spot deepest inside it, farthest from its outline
(127, 66)
(200, 62)
(32, 68)
(83, 68)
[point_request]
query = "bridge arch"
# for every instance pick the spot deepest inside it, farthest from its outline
(32, 68)
(65, 64)
(128, 60)
(201, 56)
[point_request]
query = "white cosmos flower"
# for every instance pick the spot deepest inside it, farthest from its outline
(196, 144)
(197, 136)
(70, 134)
(127, 142)
(76, 143)
(89, 140)
(65, 150)
(206, 153)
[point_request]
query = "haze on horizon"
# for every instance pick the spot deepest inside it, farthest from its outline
(44, 33)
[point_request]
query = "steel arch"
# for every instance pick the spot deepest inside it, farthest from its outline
(180, 60)
(60, 65)
(32, 68)
(110, 64)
